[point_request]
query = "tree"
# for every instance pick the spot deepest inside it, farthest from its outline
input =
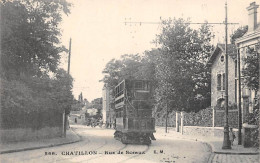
(30, 50)
(251, 70)
(183, 79)
(76, 105)
(124, 68)
(147, 68)
(34, 102)
(30, 41)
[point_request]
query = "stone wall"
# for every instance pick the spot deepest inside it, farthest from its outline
(205, 131)
(201, 118)
(23, 134)
(160, 121)
(232, 118)
(37, 125)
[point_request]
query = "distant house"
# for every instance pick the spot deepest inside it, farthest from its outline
(251, 39)
(218, 74)
(217, 65)
(77, 116)
(92, 111)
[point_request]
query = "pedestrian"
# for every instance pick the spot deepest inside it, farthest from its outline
(232, 136)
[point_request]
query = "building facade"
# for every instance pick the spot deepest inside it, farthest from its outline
(217, 65)
(105, 104)
(218, 74)
(250, 40)
(108, 105)
(239, 94)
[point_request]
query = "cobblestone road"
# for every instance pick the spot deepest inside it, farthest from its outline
(228, 158)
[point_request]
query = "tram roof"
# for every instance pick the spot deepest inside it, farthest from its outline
(130, 80)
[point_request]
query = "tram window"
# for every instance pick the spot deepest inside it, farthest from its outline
(139, 85)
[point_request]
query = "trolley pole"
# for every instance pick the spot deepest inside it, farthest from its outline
(226, 141)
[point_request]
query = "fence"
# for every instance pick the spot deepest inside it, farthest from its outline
(209, 117)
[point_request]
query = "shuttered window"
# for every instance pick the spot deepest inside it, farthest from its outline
(219, 82)
(224, 79)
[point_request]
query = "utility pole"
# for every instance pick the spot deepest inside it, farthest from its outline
(69, 57)
(226, 141)
(66, 116)
(239, 100)
(166, 119)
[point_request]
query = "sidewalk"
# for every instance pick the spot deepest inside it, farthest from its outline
(71, 137)
(214, 142)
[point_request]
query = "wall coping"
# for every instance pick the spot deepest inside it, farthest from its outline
(213, 128)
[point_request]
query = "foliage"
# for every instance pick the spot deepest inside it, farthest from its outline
(30, 40)
(183, 79)
(251, 70)
(34, 96)
(34, 92)
(148, 63)
(253, 119)
(132, 67)
(177, 69)
(76, 105)
(238, 33)
(124, 68)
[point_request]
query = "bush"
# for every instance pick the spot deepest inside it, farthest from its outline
(253, 119)
(35, 102)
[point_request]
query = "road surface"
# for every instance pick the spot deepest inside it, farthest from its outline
(98, 145)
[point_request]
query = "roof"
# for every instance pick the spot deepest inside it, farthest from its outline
(256, 29)
(249, 35)
(232, 51)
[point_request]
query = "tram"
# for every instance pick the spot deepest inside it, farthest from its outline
(133, 109)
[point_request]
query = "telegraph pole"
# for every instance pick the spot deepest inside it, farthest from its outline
(69, 57)
(166, 119)
(66, 116)
(226, 141)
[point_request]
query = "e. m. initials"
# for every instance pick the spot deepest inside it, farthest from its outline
(158, 152)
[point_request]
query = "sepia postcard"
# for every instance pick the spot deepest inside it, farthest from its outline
(129, 81)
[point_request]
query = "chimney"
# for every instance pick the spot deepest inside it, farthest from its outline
(252, 16)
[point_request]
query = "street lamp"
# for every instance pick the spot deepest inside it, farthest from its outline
(226, 141)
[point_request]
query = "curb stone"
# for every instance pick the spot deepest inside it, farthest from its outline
(229, 153)
(242, 153)
(218, 152)
(44, 146)
(210, 160)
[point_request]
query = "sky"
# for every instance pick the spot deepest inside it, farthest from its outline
(99, 34)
